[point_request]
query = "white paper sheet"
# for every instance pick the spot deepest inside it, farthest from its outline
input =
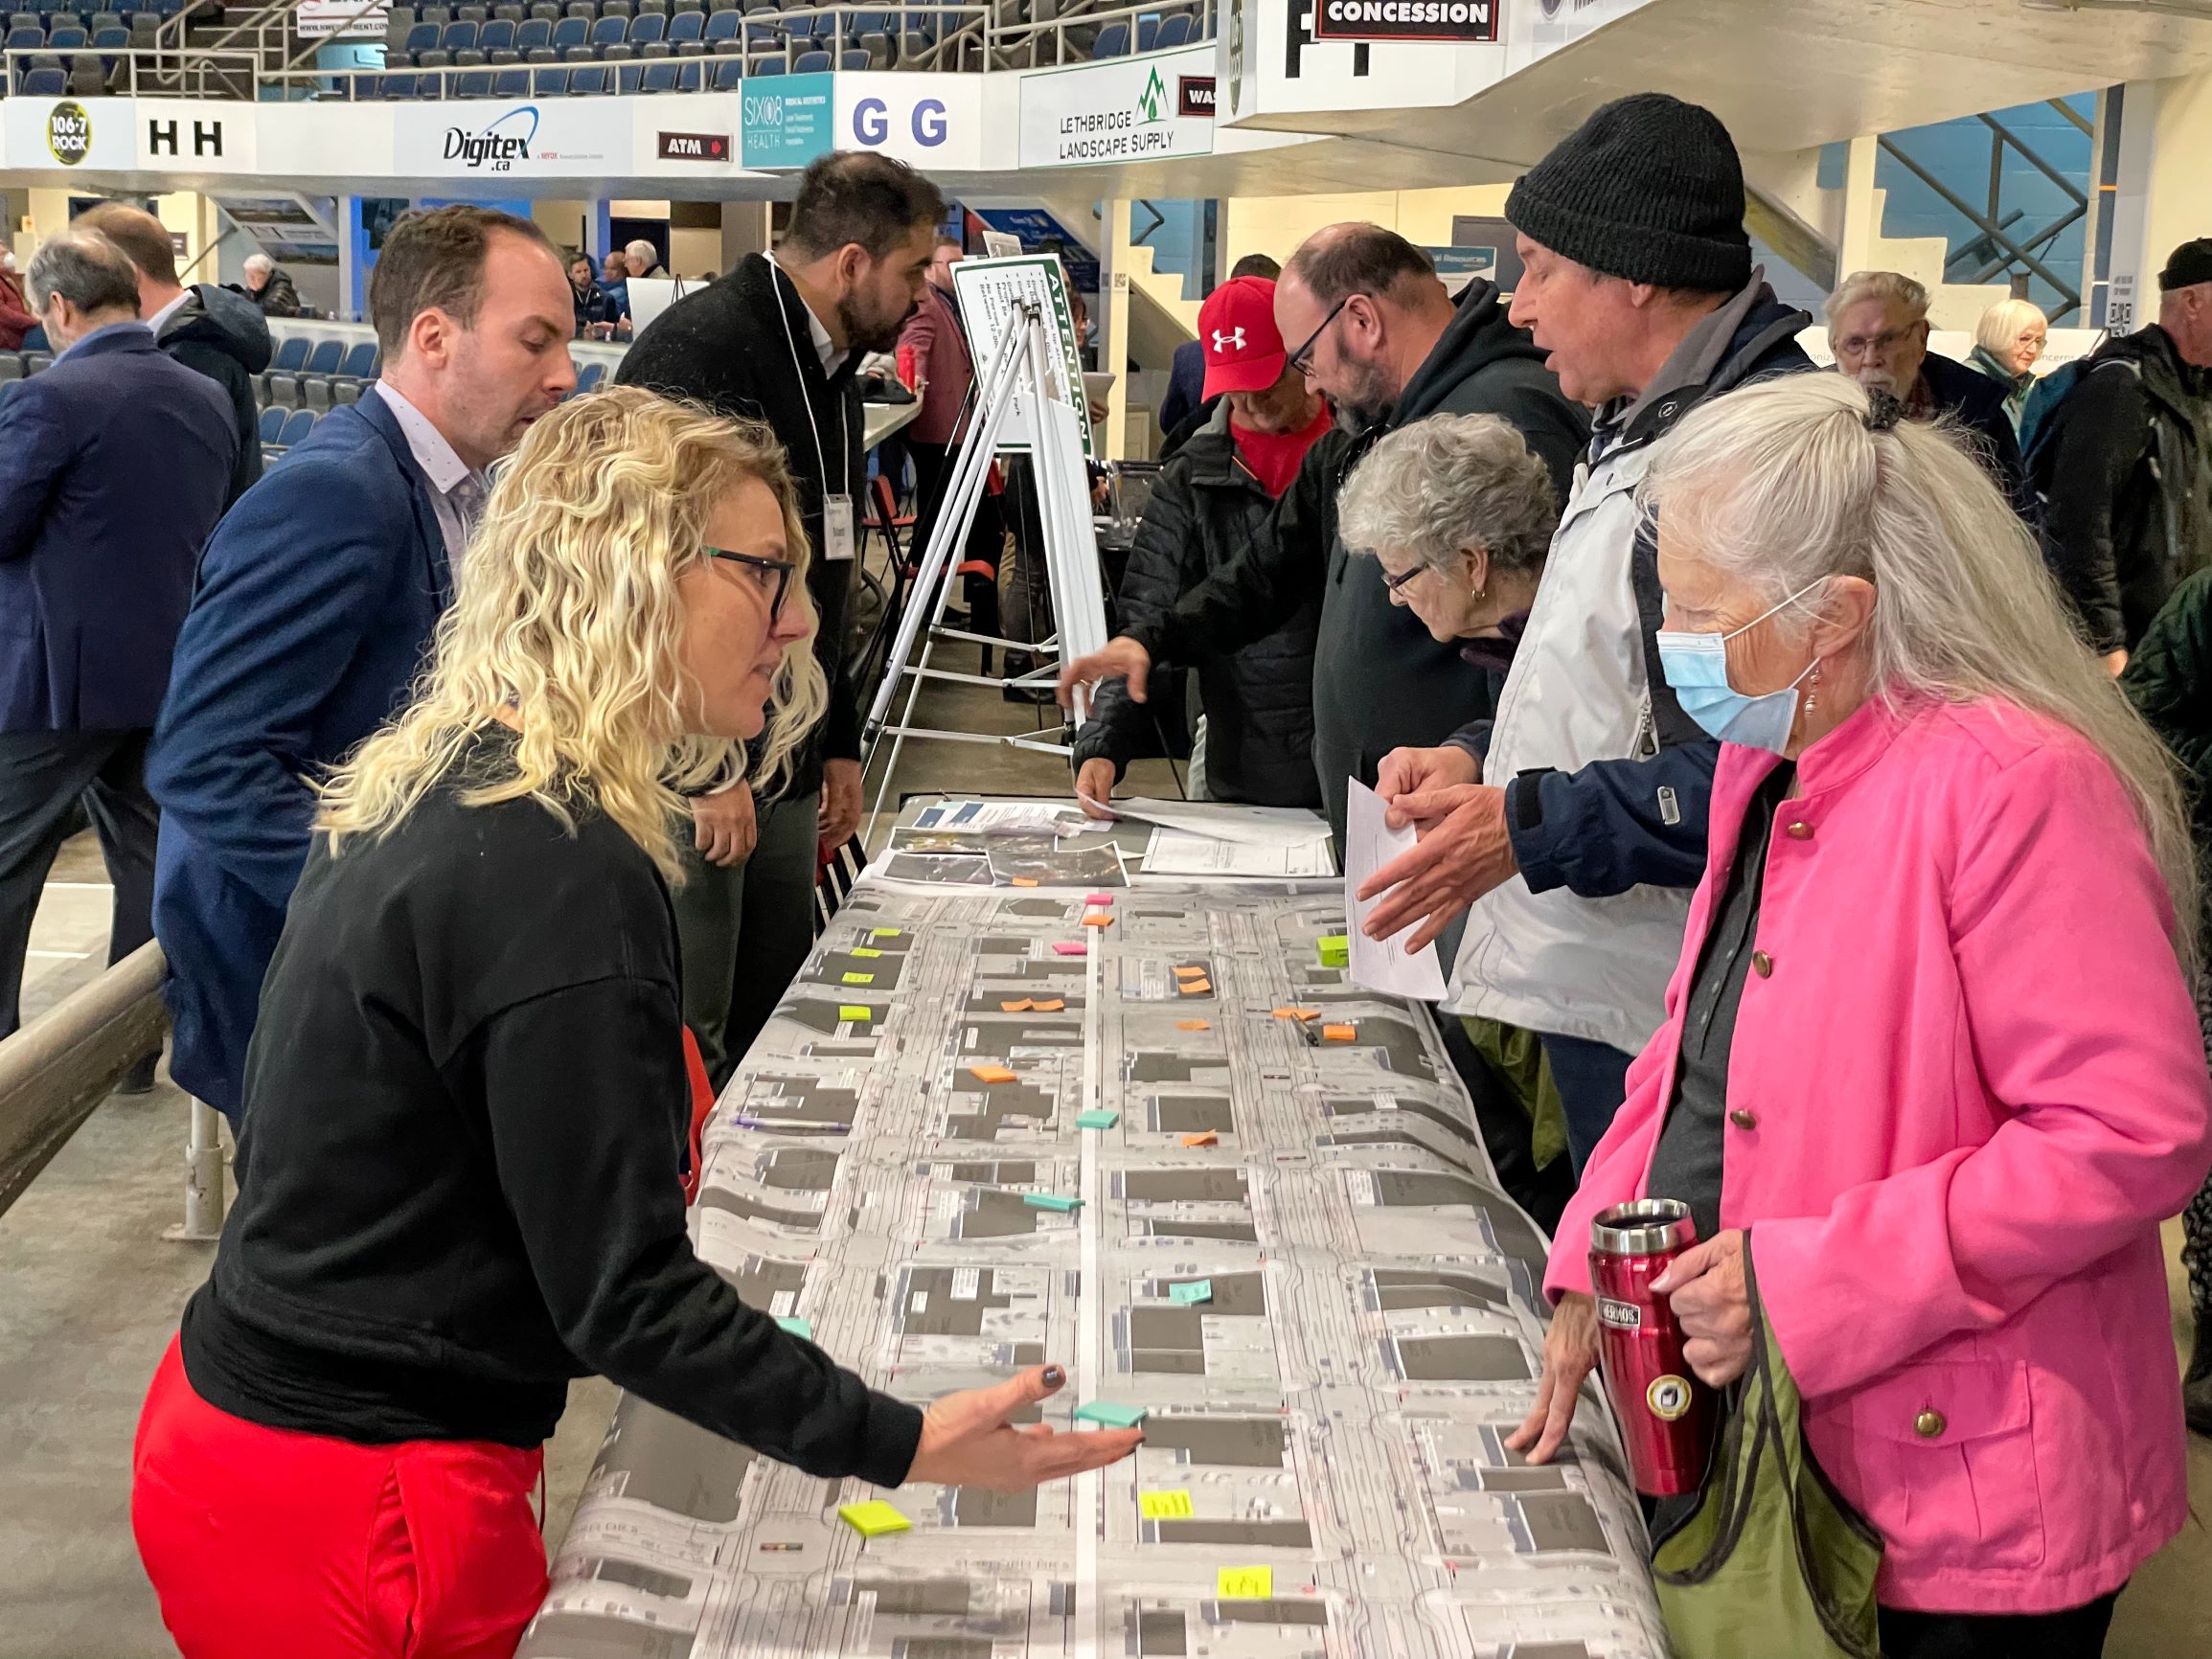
(1001, 816)
(1179, 852)
(1381, 965)
(1248, 826)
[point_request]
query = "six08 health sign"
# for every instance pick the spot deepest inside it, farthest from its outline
(496, 141)
(1122, 110)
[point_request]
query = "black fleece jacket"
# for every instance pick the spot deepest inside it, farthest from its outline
(1380, 681)
(741, 346)
(225, 336)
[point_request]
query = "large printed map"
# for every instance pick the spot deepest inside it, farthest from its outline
(1288, 1249)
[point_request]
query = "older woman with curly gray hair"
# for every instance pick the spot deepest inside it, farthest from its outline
(1459, 513)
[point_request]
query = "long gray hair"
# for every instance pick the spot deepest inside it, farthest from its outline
(1783, 484)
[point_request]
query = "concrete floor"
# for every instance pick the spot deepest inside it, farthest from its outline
(89, 1296)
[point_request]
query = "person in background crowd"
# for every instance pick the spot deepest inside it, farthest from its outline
(1878, 329)
(319, 592)
(643, 260)
(2169, 680)
(2007, 343)
(1921, 763)
(16, 319)
(947, 369)
(779, 339)
(205, 328)
(114, 465)
(458, 1169)
(614, 284)
(1376, 334)
(2123, 461)
(1575, 824)
(1187, 372)
(269, 285)
(594, 314)
(1220, 486)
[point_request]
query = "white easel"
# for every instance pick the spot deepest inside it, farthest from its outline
(1021, 403)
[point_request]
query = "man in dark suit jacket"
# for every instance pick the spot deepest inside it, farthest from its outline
(778, 339)
(320, 591)
(113, 467)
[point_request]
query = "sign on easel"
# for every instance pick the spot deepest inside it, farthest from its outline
(989, 292)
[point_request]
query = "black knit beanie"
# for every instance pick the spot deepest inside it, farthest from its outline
(1648, 189)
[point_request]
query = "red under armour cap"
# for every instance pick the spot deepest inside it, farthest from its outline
(1244, 351)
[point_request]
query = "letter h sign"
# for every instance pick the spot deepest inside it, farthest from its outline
(207, 137)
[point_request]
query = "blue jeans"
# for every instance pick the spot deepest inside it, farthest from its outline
(1591, 1078)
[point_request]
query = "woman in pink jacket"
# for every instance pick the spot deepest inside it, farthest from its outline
(1929, 1054)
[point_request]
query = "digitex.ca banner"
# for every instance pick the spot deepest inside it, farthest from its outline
(560, 136)
(1125, 109)
(1405, 20)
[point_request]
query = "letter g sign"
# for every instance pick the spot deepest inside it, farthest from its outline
(869, 124)
(929, 122)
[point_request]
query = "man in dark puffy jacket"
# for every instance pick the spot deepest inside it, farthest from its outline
(1215, 496)
(269, 285)
(208, 329)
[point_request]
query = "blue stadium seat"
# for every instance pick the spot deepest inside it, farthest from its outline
(610, 31)
(536, 31)
(21, 39)
(68, 37)
(588, 377)
(570, 31)
(646, 27)
(459, 37)
(812, 63)
(475, 83)
(855, 58)
(759, 36)
(685, 26)
(724, 26)
(291, 355)
(273, 424)
(627, 77)
(496, 36)
(549, 83)
(326, 357)
(586, 80)
(110, 39)
(297, 425)
(767, 66)
(660, 75)
(1113, 41)
(399, 87)
(361, 360)
(691, 72)
(1173, 31)
(1147, 31)
(622, 52)
(729, 72)
(422, 38)
(511, 83)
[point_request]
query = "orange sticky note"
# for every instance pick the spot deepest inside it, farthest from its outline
(1198, 988)
(1098, 919)
(1339, 1033)
(1022, 880)
(1193, 1025)
(1190, 973)
(1049, 1005)
(1021, 1007)
(1299, 1013)
(990, 1073)
(1207, 1138)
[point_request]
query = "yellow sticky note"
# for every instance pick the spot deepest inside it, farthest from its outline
(859, 979)
(874, 1518)
(1241, 1584)
(866, 950)
(1165, 1506)
(990, 1073)
(853, 1011)
(885, 932)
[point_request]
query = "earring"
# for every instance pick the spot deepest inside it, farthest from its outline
(1813, 692)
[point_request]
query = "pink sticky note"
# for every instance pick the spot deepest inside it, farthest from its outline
(1097, 899)
(1071, 947)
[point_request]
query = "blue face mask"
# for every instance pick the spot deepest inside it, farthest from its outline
(1697, 666)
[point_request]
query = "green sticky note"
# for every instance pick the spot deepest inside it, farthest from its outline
(1050, 1202)
(865, 950)
(1111, 1415)
(1335, 949)
(873, 1519)
(798, 1328)
(853, 1011)
(859, 979)
(1245, 1583)
(885, 933)
(1097, 1119)
(1195, 1291)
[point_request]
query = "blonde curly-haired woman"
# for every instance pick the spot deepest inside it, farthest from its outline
(465, 1102)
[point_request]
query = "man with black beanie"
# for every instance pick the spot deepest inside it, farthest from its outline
(2120, 449)
(778, 339)
(1578, 860)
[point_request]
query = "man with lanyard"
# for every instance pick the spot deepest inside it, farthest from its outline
(778, 339)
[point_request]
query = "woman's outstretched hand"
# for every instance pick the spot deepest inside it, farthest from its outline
(967, 1440)
(1570, 1354)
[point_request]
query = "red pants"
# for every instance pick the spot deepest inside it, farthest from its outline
(267, 1544)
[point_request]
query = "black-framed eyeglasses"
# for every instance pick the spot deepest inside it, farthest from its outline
(1394, 582)
(780, 568)
(1302, 359)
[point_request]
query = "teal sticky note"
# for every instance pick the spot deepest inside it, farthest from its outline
(1195, 1291)
(1050, 1202)
(1111, 1415)
(1097, 1119)
(798, 1328)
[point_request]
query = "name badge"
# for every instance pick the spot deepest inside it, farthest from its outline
(838, 538)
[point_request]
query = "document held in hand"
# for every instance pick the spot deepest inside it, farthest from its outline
(1381, 965)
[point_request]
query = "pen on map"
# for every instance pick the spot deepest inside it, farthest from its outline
(744, 1122)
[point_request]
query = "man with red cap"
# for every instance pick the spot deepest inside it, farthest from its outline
(1214, 497)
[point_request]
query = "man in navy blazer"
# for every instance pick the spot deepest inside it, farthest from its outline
(318, 596)
(113, 467)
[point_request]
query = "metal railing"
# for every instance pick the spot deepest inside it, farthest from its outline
(159, 71)
(1065, 35)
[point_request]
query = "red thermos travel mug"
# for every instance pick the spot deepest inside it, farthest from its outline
(1667, 1416)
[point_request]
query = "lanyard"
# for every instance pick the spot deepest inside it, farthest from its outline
(807, 401)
